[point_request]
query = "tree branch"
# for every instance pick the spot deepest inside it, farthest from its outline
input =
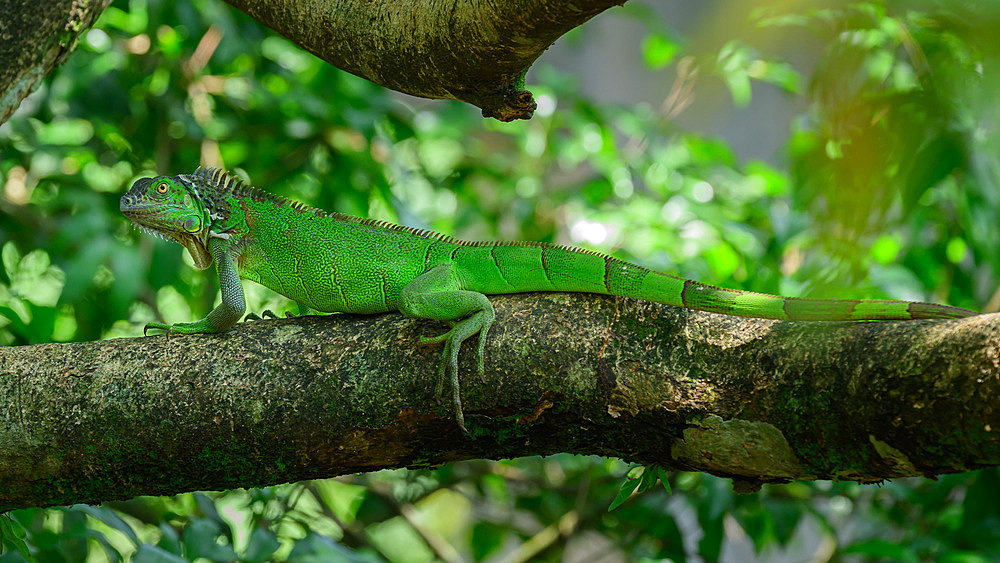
(293, 399)
(35, 38)
(477, 51)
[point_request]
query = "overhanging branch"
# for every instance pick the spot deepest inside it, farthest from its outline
(35, 38)
(286, 400)
(477, 51)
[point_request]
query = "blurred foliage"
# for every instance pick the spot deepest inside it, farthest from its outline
(888, 190)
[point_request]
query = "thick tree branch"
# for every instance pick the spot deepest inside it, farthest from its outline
(36, 37)
(278, 401)
(477, 51)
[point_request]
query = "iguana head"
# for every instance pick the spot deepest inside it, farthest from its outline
(167, 207)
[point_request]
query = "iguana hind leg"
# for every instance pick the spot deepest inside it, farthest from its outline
(438, 294)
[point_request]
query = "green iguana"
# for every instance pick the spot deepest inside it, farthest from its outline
(333, 262)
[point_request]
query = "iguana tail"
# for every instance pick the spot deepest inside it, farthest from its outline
(523, 267)
(703, 297)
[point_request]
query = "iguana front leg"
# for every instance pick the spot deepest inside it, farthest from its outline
(438, 294)
(233, 303)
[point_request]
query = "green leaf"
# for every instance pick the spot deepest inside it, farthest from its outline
(886, 248)
(16, 324)
(487, 537)
(109, 517)
(10, 257)
(12, 528)
(785, 517)
(170, 541)
(43, 323)
(201, 540)
(648, 479)
(261, 546)
(956, 250)
(74, 535)
(739, 87)
(374, 508)
(658, 50)
(834, 149)
(782, 75)
(12, 533)
(109, 550)
(626, 490)
(662, 474)
(208, 509)
(66, 132)
(733, 62)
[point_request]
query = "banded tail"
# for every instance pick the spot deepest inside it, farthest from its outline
(524, 267)
(703, 297)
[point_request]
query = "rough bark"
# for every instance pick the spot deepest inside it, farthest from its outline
(35, 38)
(285, 400)
(477, 51)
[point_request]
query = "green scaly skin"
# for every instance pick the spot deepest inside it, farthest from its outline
(332, 262)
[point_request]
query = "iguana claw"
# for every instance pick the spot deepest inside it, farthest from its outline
(160, 326)
(268, 314)
(265, 314)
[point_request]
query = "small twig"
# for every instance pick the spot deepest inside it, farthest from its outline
(563, 528)
(444, 550)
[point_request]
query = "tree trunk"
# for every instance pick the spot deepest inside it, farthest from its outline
(35, 38)
(477, 51)
(285, 400)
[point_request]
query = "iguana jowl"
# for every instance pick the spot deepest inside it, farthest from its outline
(333, 262)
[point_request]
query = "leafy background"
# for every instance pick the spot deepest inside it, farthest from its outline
(886, 187)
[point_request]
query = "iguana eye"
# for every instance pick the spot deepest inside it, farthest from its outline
(162, 187)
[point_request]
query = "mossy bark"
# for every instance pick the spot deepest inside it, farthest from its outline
(285, 400)
(477, 51)
(35, 38)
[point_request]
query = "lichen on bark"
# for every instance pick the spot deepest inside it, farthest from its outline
(35, 38)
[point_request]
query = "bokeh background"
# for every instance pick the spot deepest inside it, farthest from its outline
(808, 148)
